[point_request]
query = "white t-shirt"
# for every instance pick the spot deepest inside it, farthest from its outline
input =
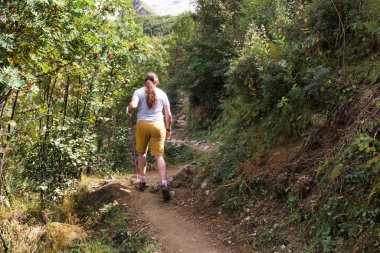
(154, 114)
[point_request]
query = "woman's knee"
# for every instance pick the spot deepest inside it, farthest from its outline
(159, 158)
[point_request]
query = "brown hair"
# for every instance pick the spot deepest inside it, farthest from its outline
(151, 80)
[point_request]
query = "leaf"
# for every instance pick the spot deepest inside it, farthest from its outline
(10, 77)
(12, 123)
(374, 74)
(375, 189)
(373, 160)
(336, 172)
(6, 41)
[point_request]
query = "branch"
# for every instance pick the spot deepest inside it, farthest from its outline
(323, 37)
(64, 65)
(343, 33)
(4, 243)
(55, 70)
(4, 98)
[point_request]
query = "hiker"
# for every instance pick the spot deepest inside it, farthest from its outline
(154, 121)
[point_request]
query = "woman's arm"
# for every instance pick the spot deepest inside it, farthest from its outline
(168, 120)
(133, 104)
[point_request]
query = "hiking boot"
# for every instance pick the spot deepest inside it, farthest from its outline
(141, 186)
(165, 194)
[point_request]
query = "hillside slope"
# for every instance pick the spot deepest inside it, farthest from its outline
(292, 92)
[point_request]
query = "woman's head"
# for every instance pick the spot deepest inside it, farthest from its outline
(152, 77)
(151, 80)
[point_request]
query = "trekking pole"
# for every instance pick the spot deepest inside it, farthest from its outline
(133, 147)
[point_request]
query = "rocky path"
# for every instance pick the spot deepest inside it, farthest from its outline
(179, 123)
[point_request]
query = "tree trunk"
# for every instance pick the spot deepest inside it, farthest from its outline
(49, 98)
(4, 243)
(1, 178)
(77, 109)
(66, 99)
(2, 155)
(81, 125)
(12, 115)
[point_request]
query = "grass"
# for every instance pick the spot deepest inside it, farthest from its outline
(114, 234)
(181, 154)
(92, 246)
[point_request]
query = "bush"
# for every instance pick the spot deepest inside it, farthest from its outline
(64, 154)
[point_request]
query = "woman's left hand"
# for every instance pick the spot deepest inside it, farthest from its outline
(168, 134)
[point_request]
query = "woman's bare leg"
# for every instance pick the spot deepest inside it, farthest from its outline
(142, 164)
(161, 166)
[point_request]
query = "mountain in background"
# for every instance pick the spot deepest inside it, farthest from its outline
(163, 8)
(142, 8)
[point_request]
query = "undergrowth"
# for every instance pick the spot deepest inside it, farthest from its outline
(349, 204)
(240, 194)
(180, 154)
(114, 233)
(84, 221)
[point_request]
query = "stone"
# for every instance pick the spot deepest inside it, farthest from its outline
(204, 183)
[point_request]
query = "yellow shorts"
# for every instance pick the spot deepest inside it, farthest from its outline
(153, 133)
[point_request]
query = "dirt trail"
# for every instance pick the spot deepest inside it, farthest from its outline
(174, 228)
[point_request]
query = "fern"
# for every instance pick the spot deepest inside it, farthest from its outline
(6, 42)
(10, 78)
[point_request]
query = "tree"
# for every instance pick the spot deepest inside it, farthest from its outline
(66, 69)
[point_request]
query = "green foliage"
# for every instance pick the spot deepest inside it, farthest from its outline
(178, 43)
(316, 80)
(116, 154)
(272, 59)
(263, 12)
(159, 26)
(115, 233)
(259, 72)
(267, 238)
(61, 154)
(224, 168)
(115, 221)
(351, 205)
(180, 154)
(205, 57)
(10, 78)
(64, 86)
(239, 193)
(67, 72)
(342, 29)
(92, 246)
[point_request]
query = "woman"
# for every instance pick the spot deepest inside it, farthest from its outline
(153, 106)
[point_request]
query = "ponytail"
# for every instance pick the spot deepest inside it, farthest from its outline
(150, 81)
